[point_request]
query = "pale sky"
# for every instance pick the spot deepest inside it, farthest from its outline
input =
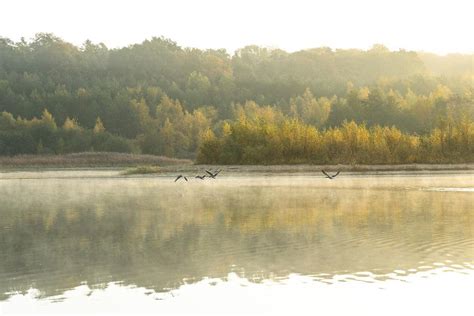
(440, 26)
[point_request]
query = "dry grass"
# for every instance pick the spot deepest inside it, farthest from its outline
(89, 159)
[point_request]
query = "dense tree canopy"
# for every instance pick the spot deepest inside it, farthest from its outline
(157, 97)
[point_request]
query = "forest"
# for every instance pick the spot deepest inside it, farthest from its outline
(256, 106)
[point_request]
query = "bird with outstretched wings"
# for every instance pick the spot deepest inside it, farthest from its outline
(179, 177)
(330, 176)
(213, 175)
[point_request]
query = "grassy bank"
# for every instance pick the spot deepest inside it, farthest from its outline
(303, 169)
(141, 170)
(88, 160)
(344, 168)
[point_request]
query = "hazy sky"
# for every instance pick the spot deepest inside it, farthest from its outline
(437, 26)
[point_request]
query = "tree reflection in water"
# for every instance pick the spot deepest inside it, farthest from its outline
(56, 234)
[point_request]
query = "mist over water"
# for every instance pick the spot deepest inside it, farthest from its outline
(88, 233)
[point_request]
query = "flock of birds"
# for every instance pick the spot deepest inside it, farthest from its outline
(208, 174)
(213, 175)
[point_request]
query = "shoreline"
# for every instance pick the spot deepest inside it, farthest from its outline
(119, 161)
(254, 169)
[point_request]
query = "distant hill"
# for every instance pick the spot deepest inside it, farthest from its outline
(157, 97)
(49, 71)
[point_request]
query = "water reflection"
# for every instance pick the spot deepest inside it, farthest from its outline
(60, 234)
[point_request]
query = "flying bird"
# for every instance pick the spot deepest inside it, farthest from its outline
(201, 177)
(330, 176)
(213, 175)
(181, 176)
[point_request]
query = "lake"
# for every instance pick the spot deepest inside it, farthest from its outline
(97, 242)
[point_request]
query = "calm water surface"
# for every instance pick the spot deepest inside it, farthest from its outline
(92, 241)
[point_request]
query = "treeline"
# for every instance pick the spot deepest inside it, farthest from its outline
(264, 136)
(43, 136)
(159, 98)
